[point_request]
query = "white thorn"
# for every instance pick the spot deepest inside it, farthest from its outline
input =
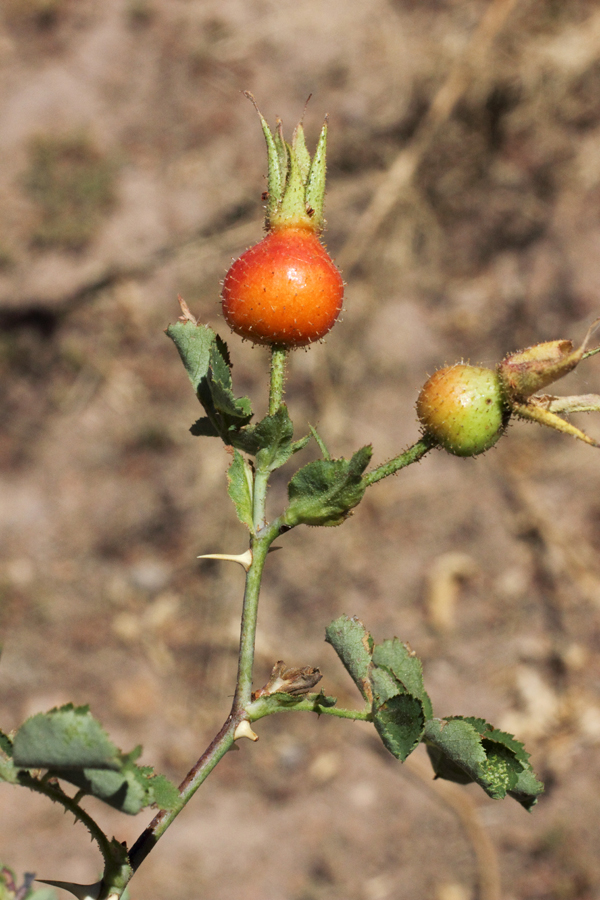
(244, 730)
(244, 559)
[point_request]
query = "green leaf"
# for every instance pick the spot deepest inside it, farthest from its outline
(129, 790)
(467, 749)
(398, 716)
(399, 722)
(68, 737)
(74, 747)
(398, 713)
(354, 646)
(240, 484)
(273, 433)
(325, 491)
(8, 772)
(220, 362)
(206, 360)
(270, 440)
(406, 668)
(121, 790)
(165, 793)
(6, 744)
(193, 344)
(226, 413)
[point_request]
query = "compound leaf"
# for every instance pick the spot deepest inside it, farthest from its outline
(74, 747)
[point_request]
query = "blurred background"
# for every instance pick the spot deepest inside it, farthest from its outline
(463, 209)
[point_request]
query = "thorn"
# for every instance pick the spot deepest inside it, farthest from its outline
(244, 730)
(244, 559)
(81, 891)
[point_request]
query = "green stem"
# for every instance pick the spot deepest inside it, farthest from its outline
(209, 759)
(260, 548)
(412, 455)
(264, 535)
(278, 363)
(261, 708)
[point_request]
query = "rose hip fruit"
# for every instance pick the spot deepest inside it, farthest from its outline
(462, 409)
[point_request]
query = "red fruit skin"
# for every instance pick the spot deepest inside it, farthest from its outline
(285, 290)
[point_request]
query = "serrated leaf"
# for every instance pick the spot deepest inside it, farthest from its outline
(354, 646)
(8, 772)
(68, 737)
(220, 362)
(194, 343)
(527, 789)
(240, 484)
(6, 744)
(325, 491)
(273, 435)
(164, 792)
(466, 750)
(129, 790)
(74, 747)
(234, 413)
(406, 667)
(399, 722)
(121, 790)
(206, 360)
(398, 714)
(459, 744)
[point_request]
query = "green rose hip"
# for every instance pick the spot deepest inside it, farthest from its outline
(462, 409)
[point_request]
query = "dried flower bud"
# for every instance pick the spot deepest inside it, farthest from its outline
(523, 374)
(289, 681)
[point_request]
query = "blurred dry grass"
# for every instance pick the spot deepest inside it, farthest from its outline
(491, 243)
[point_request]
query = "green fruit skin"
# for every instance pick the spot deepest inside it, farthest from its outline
(462, 408)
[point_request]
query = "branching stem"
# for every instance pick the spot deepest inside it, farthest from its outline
(264, 535)
(412, 455)
(209, 759)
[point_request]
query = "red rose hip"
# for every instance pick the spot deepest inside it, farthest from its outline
(284, 290)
